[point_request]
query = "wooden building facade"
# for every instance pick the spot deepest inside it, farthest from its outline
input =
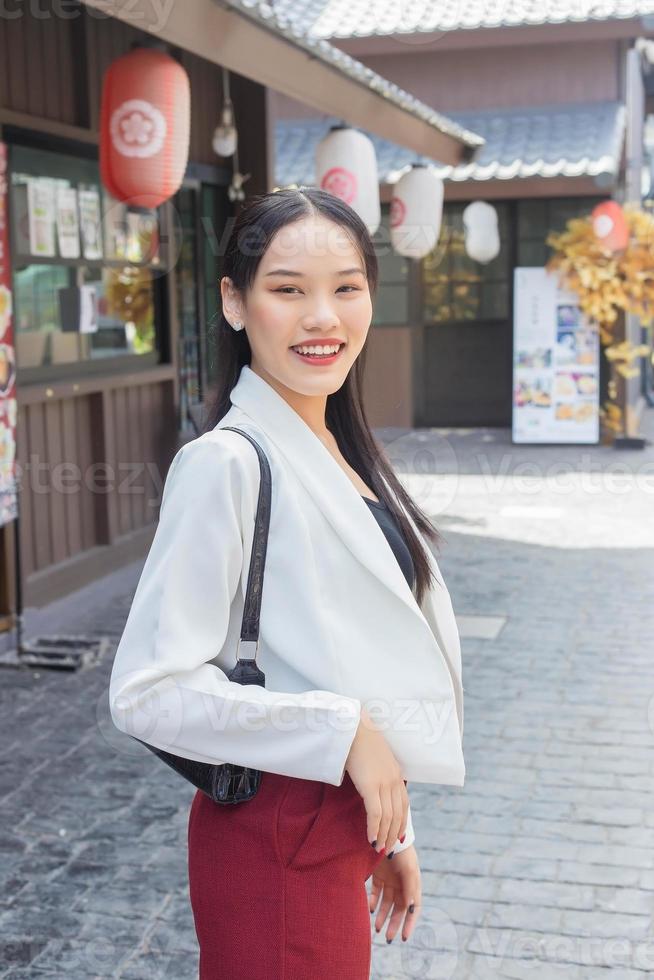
(99, 419)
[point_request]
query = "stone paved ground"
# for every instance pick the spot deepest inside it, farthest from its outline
(541, 866)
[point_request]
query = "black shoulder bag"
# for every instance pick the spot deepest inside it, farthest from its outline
(229, 783)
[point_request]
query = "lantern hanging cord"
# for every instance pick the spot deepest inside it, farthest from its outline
(226, 96)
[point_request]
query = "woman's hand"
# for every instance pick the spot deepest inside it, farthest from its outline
(398, 884)
(377, 776)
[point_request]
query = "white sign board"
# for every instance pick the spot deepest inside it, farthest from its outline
(555, 363)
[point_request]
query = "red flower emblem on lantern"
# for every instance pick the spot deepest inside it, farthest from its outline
(341, 183)
(138, 129)
(397, 212)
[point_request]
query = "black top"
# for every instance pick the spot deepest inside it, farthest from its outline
(394, 536)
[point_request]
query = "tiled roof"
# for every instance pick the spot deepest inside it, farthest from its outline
(542, 141)
(292, 27)
(363, 18)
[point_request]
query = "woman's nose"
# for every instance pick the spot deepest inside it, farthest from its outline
(323, 313)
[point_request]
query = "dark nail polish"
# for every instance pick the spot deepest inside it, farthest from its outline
(412, 907)
(390, 855)
(373, 843)
(403, 939)
(402, 838)
(389, 940)
(377, 930)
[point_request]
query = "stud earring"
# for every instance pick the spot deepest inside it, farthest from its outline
(238, 325)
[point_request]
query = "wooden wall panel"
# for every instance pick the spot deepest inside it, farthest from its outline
(36, 447)
(108, 437)
(121, 421)
(39, 65)
(205, 111)
(36, 64)
(387, 388)
(55, 497)
(69, 452)
(17, 63)
(25, 499)
(89, 499)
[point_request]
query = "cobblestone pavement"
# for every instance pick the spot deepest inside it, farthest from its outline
(541, 866)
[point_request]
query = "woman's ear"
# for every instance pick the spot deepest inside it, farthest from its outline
(232, 306)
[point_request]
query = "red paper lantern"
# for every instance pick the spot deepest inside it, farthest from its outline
(610, 226)
(144, 127)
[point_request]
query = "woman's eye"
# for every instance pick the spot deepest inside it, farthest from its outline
(283, 289)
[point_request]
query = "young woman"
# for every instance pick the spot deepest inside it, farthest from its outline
(358, 640)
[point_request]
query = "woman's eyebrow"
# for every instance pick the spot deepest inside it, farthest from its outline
(291, 272)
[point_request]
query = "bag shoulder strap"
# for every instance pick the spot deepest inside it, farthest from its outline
(252, 606)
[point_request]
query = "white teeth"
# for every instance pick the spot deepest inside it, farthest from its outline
(318, 350)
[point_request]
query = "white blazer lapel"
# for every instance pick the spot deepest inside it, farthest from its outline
(439, 613)
(326, 482)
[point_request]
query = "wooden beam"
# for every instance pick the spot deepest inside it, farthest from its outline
(34, 394)
(24, 120)
(240, 44)
(483, 190)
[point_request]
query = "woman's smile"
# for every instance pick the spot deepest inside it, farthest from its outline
(317, 352)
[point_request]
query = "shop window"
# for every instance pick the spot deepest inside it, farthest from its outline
(202, 210)
(391, 304)
(538, 217)
(455, 287)
(85, 266)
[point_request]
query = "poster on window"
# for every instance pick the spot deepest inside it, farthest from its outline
(8, 404)
(67, 223)
(555, 363)
(90, 223)
(41, 216)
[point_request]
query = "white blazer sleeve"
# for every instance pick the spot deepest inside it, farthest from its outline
(410, 835)
(163, 691)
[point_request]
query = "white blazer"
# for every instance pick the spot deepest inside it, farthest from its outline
(339, 627)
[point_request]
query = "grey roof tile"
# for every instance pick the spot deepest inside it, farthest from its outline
(581, 139)
(288, 21)
(363, 18)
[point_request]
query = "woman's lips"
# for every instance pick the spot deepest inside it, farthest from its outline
(318, 359)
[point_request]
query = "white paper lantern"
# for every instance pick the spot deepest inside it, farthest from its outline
(346, 166)
(482, 235)
(416, 212)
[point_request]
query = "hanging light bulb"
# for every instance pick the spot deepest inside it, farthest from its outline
(225, 136)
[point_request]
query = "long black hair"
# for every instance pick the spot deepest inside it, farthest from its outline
(257, 222)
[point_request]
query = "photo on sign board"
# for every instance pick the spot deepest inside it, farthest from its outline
(572, 384)
(568, 315)
(535, 392)
(537, 357)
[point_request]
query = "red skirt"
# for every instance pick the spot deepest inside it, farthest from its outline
(277, 884)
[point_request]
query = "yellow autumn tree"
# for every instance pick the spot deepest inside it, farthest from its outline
(607, 284)
(129, 297)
